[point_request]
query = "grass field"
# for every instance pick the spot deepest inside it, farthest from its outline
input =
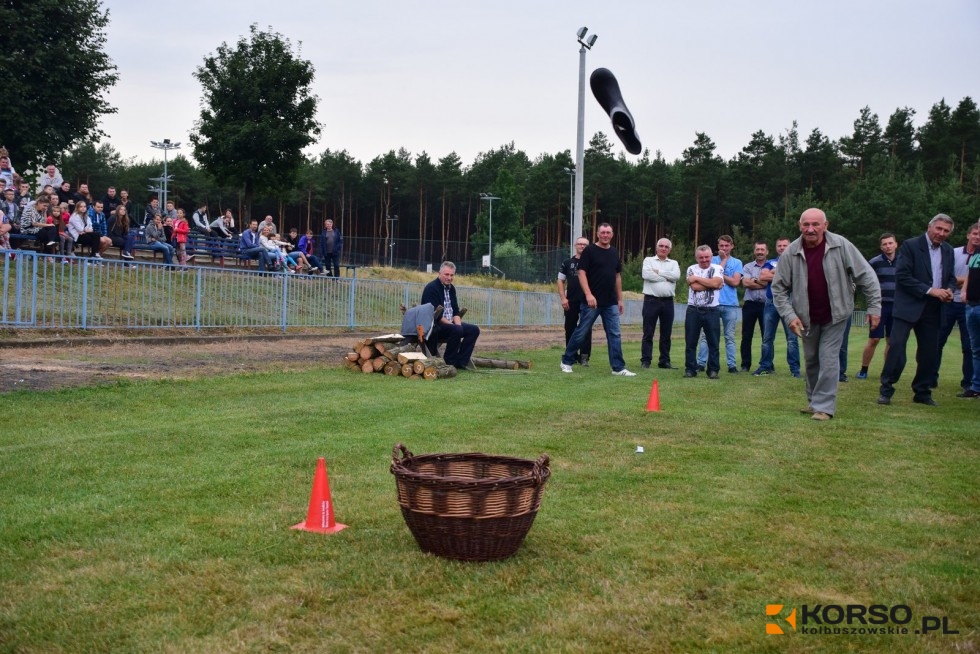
(155, 516)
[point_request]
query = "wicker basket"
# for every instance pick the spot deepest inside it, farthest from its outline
(469, 507)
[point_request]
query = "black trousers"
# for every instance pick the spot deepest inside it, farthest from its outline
(752, 313)
(926, 330)
(657, 309)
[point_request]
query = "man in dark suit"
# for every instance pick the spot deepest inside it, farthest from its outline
(459, 337)
(923, 282)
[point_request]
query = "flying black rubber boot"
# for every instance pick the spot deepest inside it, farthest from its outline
(605, 88)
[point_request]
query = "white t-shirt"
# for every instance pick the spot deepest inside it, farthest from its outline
(703, 298)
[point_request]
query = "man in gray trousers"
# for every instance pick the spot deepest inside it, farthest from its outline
(813, 291)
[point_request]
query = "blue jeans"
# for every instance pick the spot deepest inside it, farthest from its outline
(973, 328)
(165, 249)
(698, 320)
(610, 324)
(954, 313)
(729, 316)
(770, 319)
(260, 253)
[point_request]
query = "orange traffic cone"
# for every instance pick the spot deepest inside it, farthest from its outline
(319, 517)
(653, 404)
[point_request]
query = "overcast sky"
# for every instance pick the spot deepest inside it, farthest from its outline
(468, 76)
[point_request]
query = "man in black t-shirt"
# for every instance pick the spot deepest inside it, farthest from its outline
(599, 273)
(572, 297)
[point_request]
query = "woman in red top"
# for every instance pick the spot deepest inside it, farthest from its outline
(181, 230)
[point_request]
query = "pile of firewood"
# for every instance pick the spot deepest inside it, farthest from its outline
(382, 354)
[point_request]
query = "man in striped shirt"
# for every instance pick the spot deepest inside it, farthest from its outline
(884, 267)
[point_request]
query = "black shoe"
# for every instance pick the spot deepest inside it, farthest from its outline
(690, 373)
(666, 366)
(842, 378)
(928, 401)
(968, 393)
(745, 368)
(644, 365)
(884, 400)
(733, 370)
(700, 368)
(713, 375)
(583, 360)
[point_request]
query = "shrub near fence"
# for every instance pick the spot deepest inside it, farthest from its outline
(40, 291)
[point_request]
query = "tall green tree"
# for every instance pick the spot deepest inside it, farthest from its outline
(865, 143)
(57, 76)
(257, 114)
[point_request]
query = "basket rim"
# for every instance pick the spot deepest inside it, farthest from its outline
(538, 471)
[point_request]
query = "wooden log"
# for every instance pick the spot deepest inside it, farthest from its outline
(391, 353)
(392, 368)
(352, 356)
(439, 372)
(368, 352)
(378, 363)
(351, 365)
(408, 357)
(416, 377)
(407, 370)
(431, 362)
(367, 366)
(384, 338)
(506, 364)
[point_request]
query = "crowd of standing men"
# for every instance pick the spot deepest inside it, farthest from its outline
(925, 287)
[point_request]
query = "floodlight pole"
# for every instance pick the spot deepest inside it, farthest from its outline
(586, 43)
(166, 146)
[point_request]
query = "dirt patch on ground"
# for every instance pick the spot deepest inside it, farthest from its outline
(29, 362)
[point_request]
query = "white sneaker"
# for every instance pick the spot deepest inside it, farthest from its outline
(624, 373)
(566, 368)
(96, 256)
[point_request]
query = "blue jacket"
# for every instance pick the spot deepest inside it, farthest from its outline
(338, 245)
(248, 240)
(433, 294)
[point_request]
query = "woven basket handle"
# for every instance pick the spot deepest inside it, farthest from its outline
(405, 454)
(539, 467)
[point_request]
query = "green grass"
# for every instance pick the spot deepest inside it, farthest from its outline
(155, 516)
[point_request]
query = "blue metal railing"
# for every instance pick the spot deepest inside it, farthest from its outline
(47, 291)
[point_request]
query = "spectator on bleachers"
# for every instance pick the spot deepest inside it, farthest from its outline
(124, 199)
(9, 205)
(307, 245)
(33, 220)
(218, 227)
(230, 222)
(156, 238)
(23, 195)
(50, 176)
(168, 228)
(68, 196)
(99, 223)
(84, 194)
(181, 230)
(199, 220)
(111, 200)
(268, 222)
(251, 248)
(7, 171)
(5, 226)
(121, 233)
(152, 209)
(331, 247)
(170, 211)
(276, 255)
(82, 232)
